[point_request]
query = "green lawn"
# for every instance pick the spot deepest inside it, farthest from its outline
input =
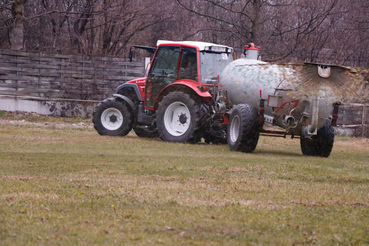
(70, 186)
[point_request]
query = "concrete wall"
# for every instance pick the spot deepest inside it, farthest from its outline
(55, 107)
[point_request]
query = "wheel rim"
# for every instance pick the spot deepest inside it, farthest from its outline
(235, 128)
(111, 119)
(177, 119)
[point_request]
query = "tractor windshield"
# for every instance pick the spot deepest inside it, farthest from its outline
(212, 65)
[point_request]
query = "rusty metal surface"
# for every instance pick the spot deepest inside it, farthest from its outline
(345, 85)
(248, 81)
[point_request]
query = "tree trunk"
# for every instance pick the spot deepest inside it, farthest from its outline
(16, 33)
(255, 23)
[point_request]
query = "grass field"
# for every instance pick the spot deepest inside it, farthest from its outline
(69, 186)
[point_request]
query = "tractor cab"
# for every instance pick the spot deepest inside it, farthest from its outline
(187, 63)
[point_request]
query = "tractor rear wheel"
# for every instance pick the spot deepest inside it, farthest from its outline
(178, 118)
(243, 128)
(112, 117)
(320, 144)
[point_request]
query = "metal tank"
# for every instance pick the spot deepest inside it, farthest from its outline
(298, 98)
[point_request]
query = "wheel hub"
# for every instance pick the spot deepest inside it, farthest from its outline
(182, 119)
(113, 118)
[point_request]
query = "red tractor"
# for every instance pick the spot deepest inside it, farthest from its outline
(178, 100)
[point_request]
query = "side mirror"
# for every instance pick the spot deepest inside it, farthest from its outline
(131, 54)
(151, 50)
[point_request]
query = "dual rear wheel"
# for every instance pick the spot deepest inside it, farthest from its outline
(243, 133)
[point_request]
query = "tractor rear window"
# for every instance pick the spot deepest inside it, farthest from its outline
(212, 64)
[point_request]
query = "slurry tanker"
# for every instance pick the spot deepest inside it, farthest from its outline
(195, 91)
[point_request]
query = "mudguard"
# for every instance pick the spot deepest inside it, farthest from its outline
(192, 86)
(129, 85)
(130, 103)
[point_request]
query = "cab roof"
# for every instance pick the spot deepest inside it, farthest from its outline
(200, 45)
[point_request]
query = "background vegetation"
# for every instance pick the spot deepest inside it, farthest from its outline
(325, 31)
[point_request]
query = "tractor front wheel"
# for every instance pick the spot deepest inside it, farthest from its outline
(178, 118)
(243, 128)
(112, 117)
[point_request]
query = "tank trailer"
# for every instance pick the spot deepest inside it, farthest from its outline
(194, 91)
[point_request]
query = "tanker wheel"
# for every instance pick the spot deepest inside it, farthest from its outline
(145, 132)
(243, 128)
(320, 144)
(178, 118)
(112, 117)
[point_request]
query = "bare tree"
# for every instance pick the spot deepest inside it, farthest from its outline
(16, 28)
(5, 22)
(286, 29)
(235, 20)
(334, 31)
(103, 27)
(122, 22)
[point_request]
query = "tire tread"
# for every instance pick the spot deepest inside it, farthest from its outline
(127, 117)
(193, 135)
(249, 129)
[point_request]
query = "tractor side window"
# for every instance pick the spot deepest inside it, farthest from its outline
(166, 61)
(188, 69)
(163, 72)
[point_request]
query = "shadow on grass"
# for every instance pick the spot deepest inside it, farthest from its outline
(276, 152)
(263, 151)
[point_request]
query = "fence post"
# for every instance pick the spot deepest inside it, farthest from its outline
(363, 118)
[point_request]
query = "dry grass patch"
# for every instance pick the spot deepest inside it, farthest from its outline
(67, 186)
(28, 196)
(243, 191)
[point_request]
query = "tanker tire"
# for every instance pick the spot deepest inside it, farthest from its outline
(145, 132)
(308, 146)
(243, 128)
(112, 118)
(321, 144)
(178, 118)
